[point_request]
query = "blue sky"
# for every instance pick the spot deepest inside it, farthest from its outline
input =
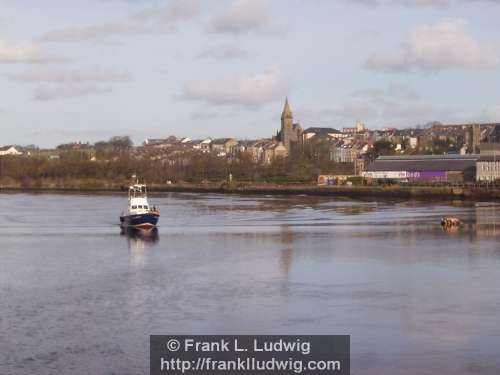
(87, 70)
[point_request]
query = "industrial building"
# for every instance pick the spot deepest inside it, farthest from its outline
(488, 168)
(432, 168)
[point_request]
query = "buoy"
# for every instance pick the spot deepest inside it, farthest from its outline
(450, 222)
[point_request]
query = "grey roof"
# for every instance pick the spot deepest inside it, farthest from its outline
(322, 131)
(424, 163)
(494, 158)
(221, 141)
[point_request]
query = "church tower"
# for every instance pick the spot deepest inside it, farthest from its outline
(287, 132)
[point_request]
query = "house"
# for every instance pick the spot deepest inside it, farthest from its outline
(273, 150)
(9, 150)
(160, 142)
(223, 146)
(202, 144)
(489, 149)
(322, 132)
(358, 128)
(347, 152)
(256, 149)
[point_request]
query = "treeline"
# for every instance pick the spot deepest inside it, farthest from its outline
(194, 167)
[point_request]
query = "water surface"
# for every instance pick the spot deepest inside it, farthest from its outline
(77, 297)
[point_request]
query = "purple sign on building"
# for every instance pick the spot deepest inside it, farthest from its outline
(427, 174)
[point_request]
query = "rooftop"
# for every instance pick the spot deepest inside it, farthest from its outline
(424, 163)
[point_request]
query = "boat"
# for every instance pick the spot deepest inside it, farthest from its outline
(139, 213)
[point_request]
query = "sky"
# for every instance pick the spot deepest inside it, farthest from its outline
(88, 70)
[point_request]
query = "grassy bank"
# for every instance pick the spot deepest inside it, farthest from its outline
(392, 191)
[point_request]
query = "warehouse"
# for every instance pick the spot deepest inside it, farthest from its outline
(488, 168)
(435, 168)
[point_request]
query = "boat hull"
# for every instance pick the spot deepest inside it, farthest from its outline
(140, 221)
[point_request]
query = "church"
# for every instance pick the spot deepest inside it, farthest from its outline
(290, 134)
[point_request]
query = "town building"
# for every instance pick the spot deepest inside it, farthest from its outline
(274, 150)
(290, 134)
(322, 133)
(488, 168)
(169, 142)
(202, 145)
(443, 168)
(346, 151)
(489, 149)
(223, 146)
(358, 128)
(9, 150)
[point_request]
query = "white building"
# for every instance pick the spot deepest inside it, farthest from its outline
(9, 150)
(488, 168)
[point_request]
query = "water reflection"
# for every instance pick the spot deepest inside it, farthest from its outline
(138, 240)
(487, 220)
(140, 235)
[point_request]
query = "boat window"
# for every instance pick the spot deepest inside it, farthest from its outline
(134, 207)
(139, 207)
(145, 207)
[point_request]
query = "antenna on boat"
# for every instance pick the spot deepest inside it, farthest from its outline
(135, 179)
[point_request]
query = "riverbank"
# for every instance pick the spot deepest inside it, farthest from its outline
(388, 191)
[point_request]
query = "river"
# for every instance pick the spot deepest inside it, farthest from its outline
(78, 297)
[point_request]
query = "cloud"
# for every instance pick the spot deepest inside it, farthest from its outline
(248, 91)
(169, 16)
(93, 32)
(395, 91)
(395, 105)
(65, 76)
(407, 3)
(205, 115)
(491, 113)
(445, 44)
(143, 21)
(64, 83)
(416, 3)
(24, 53)
(223, 52)
(242, 16)
(51, 92)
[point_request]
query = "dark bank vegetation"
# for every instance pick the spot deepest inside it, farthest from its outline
(76, 168)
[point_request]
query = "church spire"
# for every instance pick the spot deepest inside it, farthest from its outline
(287, 113)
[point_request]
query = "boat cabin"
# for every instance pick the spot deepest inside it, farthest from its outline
(137, 200)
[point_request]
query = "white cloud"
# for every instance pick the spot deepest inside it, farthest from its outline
(205, 115)
(445, 44)
(24, 52)
(64, 83)
(223, 52)
(395, 91)
(92, 32)
(144, 21)
(422, 3)
(242, 16)
(175, 12)
(396, 105)
(51, 92)
(65, 76)
(249, 90)
(416, 3)
(491, 113)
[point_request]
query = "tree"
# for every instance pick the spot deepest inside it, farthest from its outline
(382, 147)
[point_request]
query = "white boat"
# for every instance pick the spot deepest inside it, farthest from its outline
(139, 214)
